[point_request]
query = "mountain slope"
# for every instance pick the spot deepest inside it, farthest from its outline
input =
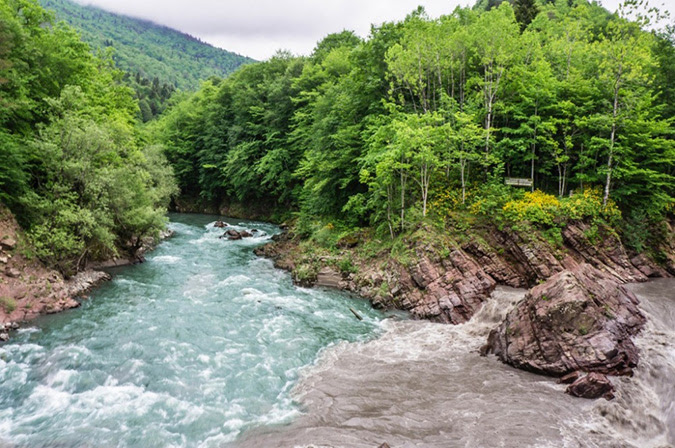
(146, 48)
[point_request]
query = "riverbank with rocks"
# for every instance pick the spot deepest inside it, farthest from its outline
(29, 289)
(577, 315)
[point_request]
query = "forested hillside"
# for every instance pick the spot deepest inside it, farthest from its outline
(426, 119)
(74, 166)
(150, 50)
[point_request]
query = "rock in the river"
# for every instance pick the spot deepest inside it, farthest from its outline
(234, 235)
(221, 224)
(594, 385)
(580, 319)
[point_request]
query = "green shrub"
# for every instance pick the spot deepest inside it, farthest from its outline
(8, 303)
(346, 265)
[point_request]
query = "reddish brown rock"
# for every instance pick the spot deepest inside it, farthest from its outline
(579, 319)
(592, 386)
(494, 265)
(569, 378)
(445, 281)
(606, 254)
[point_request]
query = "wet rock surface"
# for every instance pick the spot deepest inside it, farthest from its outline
(578, 320)
(235, 235)
(592, 386)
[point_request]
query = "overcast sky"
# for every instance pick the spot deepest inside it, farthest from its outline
(258, 28)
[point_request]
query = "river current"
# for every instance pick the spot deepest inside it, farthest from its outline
(206, 345)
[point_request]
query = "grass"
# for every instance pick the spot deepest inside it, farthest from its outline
(8, 303)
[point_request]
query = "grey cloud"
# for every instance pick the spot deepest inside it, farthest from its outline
(258, 28)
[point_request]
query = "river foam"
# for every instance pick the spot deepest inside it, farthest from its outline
(425, 385)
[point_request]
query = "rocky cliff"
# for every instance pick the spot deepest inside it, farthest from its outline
(445, 279)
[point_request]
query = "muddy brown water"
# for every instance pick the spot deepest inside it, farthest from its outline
(424, 385)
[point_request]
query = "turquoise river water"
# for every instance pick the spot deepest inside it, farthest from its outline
(188, 349)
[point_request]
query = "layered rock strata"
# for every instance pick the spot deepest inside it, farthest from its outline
(448, 282)
(579, 320)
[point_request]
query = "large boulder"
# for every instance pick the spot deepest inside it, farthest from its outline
(581, 319)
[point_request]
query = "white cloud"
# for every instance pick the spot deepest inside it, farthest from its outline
(258, 28)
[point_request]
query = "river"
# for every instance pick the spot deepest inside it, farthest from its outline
(205, 345)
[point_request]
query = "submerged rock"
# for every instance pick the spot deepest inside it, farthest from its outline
(579, 320)
(594, 385)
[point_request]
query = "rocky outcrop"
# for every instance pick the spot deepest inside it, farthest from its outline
(328, 278)
(447, 281)
(84, 282)
(607, 253)
(449, 289)
(579, 320)
(442, 289)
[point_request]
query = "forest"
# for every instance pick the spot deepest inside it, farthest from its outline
(75, 168)
(144, 48)
(422, 122)
(426, 118)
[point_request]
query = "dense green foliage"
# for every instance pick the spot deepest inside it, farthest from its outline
(73, 166)
(150, 50)
(428, 116)
(153, 96)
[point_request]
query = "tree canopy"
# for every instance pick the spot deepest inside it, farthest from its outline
(73, 164)
(376, 131)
